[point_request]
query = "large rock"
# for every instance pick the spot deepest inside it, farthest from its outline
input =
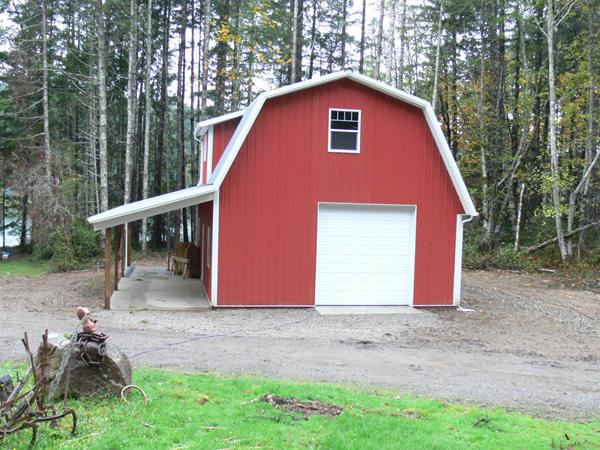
(66, 368)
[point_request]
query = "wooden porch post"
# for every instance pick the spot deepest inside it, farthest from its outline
(129, 243)
(116, 272)
(124, 229)
(107, 287)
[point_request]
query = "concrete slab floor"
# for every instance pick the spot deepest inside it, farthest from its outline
(152, 288)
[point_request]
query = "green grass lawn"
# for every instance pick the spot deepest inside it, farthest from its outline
(198, 411)
(23, 266)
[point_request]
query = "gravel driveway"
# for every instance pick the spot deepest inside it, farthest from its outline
(529, 345)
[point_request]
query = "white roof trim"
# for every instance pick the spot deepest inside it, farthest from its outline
(251, 113)
(152, 206)
(203, 193)
(201, 127)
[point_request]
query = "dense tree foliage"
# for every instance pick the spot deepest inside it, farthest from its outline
(98, 99)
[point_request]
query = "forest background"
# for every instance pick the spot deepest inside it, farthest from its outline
(99, 99)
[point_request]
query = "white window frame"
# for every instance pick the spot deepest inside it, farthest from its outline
(329, 130)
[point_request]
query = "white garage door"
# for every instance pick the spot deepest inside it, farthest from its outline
(365, 254)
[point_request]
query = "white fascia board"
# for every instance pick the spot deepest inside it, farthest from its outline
(236, 141)
(152, 206)
(252, 112)
(202, 127)
(449, 162)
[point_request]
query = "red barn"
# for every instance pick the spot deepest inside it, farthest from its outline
(339, 190)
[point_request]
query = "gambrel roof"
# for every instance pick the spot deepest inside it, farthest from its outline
(202, 193)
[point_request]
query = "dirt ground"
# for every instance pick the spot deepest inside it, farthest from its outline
(530, 344)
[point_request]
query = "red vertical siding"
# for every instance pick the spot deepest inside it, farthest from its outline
(205, 219)
(221, 137)
(268, 201)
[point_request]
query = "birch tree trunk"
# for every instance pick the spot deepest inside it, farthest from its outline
(438, 44)
(46, 113)
(102, 107)
(552, 131)
(518, 222)
(131, 100)
(294, 39)
(147, 118)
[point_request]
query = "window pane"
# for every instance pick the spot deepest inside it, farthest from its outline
(343, 125)
(343, 141)
(333, 115)
(355, 115)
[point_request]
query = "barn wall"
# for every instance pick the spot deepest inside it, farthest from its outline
(222, 134)
(205, 220)
(268, 201)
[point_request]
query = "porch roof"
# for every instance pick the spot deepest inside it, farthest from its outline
(153, 206)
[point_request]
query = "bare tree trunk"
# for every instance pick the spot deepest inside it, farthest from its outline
(131, 100)
(205, 61)
(92, 138)
(313, 37)
(518, 223)
(379, 45)
(181, 125)
(485, 204)
(590, 137)
(344, 36)
(157, 226)
(552, 128)
(294, 40)
(193, 143)
(147, 118)
(363, 20)
(47, 148)
(438, 44)
(221, 50)
(102, 107)
(402, 46)
(24, 215)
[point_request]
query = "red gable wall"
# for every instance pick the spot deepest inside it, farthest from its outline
(222, 134)
(268, 200)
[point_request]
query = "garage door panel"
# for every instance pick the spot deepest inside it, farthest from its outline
(365, 254)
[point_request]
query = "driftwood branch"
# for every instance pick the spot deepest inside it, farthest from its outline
(569, 234)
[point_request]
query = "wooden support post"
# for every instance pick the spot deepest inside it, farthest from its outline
(123, 248)
(107, 286)
(116, 250)
(129, 243)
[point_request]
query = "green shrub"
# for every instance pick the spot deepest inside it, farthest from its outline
(507, 258)
(72, 247)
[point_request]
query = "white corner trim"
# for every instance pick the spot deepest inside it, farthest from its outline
(458, 252)
(252, 112)
(209, 145)
(214, 271)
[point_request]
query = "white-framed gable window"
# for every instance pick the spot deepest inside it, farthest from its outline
(344, 130)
